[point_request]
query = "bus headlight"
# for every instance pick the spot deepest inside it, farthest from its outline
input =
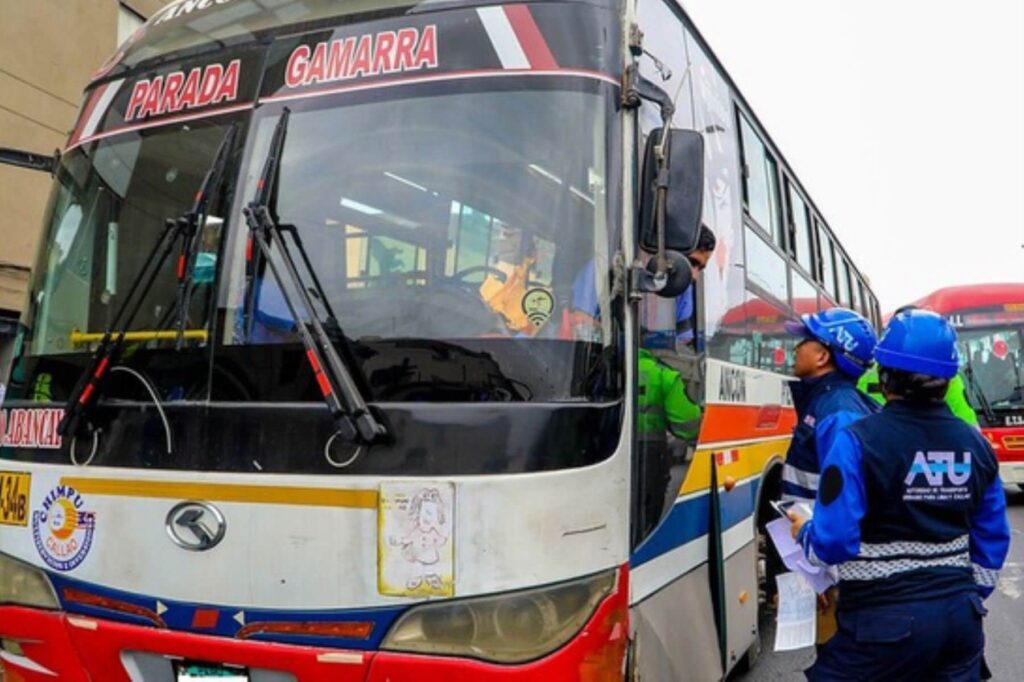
(508, 628)
(24, 585)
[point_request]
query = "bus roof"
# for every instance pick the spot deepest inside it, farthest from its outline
(950, 300)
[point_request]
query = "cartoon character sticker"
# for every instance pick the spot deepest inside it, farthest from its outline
(63, 529)
(415, 544)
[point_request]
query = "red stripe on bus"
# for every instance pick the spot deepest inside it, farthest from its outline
(530, 38)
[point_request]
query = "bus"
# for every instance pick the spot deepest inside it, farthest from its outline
(989, 321)
(330, 363)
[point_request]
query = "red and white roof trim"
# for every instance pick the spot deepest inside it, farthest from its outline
(516, 37)
(95, 107)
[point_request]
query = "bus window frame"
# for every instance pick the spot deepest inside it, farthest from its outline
(775, 177)
(792, 189)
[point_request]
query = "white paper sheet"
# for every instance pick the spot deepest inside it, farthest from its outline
(792, 554)
(796, 626)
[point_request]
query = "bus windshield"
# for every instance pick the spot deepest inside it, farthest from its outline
(994, 358)
(472, 218)
(108, 209)
(463, 238)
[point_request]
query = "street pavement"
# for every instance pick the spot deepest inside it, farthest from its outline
(1004, 626)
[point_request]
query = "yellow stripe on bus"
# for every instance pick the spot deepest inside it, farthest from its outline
(226, 492)
(751, 459)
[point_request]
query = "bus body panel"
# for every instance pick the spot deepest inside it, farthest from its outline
(509, 532)
(669, 646)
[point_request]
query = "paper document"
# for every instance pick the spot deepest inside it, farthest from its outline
(792, 554)
(798, 608)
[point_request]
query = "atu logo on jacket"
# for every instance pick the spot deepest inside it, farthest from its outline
(945, 476)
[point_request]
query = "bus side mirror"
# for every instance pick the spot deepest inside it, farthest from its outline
(30, 160)
(676, 170)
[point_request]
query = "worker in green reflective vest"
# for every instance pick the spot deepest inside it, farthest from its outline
(664, 407)
(664, 414)
(956, 396)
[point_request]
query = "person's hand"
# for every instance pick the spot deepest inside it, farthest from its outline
(796, 522)
(823, 602)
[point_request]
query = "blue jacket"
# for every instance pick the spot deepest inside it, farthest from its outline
(824, 405)
(910, 507)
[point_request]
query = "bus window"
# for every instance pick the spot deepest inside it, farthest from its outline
(765, 267)
(802, 239)
(771, 347)
(854, 293)
(805, 295)
(843, 292)
(828, 270)
(994, 357)
(760, 188)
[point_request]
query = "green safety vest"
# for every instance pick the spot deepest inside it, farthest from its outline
(662, 402)
(956, 396)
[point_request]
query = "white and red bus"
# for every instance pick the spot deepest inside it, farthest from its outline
(328, 368)
(989, 319)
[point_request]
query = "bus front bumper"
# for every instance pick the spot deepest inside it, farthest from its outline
(38, 646)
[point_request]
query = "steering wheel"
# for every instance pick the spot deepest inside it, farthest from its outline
(461, 275)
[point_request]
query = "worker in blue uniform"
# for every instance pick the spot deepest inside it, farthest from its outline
(835, 349)
(911, 510)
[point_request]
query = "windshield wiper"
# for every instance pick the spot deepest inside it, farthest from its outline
(189, 226)
(352, 417)
(110, 346)
(979, 394)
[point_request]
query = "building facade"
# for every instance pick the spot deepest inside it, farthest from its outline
(50, 49)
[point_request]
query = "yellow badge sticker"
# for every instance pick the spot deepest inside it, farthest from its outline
(14, 498)
(538, 305)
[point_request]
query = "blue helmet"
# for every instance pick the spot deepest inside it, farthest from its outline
(849, 337)
(919, 341)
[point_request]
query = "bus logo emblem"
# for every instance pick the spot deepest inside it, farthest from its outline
(195, 526)
(62, 529)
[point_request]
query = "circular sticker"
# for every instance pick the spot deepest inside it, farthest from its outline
(63, 529)
(538, 305)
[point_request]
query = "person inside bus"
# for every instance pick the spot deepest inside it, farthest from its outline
(510, 288)
(654, 334)
(911, 510)
(956, 396)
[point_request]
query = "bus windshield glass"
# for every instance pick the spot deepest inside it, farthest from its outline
(994, 358)
(107, 213)
(477, 218)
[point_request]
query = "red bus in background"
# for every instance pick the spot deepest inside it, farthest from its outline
(989, 319)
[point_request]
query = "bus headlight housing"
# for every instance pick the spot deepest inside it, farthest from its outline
(513, 627)
(24, 585)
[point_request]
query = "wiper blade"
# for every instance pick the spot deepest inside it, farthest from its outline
(189, 225)
(110, 346)
(352, 416)
(979, 394)
(108, 351)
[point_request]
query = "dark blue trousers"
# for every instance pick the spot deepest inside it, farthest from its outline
(938, 639)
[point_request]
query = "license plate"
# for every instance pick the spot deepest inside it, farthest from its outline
(14, 502)
(188, 672)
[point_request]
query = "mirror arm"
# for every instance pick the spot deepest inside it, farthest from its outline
(636, 89)
(30, 160)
